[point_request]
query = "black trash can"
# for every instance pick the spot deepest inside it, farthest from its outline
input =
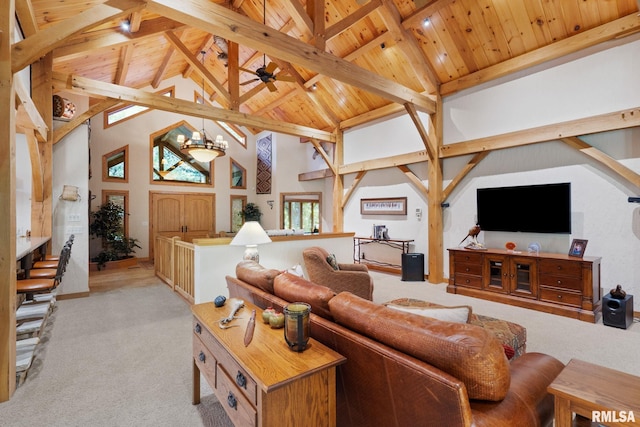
(413, 267)
(617, 312)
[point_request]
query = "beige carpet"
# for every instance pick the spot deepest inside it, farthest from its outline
(122, 357)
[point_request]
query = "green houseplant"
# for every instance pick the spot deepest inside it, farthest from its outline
(251, 212)
(107, 225)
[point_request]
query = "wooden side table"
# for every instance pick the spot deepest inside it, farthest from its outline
(263, 384)
(601, 394)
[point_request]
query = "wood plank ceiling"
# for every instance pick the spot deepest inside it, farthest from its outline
(388, 52)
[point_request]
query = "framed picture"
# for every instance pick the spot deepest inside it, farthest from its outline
(578, 247)
(386, 206)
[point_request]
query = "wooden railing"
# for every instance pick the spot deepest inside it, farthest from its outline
(174, 264)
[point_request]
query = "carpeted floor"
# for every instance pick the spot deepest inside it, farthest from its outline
(122, 357)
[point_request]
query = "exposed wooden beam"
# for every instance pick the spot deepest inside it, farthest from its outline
(216, 19)
(37, 175)
(604, 122)
(352, 187)
(135, 19)
(90, 87)
(385, 162)
(37, 122)
(126, 52)
(323, 154)
(599, 34)
(299, 15)
(27, 18)
(101, 39)
(319, 174)
(422, 189)
(351, 19)
(477, 158)
(604, 159)
(338, 185)
(424, 133)
(62, 131)
(30, 49)
(315, 10)
(195, 63)
(233, 76)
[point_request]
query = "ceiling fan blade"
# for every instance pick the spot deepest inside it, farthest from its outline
(281, 78)
(271, 67)
(249, 81)
(271, 86)
(246, 70)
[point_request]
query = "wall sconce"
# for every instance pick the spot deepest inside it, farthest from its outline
(270, 203)
(70, 193)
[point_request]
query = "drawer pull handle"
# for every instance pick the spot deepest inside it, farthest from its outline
(202, 357)
(198, 328)
(241, 380)
(559, 282)
(467, 281)
(466, 269)
(559, 296)
(232, 402)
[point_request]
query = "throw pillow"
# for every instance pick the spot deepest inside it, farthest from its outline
(508, 351)
(333, 262)
(460, 314)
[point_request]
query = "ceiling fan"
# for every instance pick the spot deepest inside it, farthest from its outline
(267, 76)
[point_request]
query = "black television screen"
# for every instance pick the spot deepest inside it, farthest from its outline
(531, 208)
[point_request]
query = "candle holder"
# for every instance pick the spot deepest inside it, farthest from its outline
(297, 325)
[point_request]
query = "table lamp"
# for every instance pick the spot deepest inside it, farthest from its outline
(251, 235)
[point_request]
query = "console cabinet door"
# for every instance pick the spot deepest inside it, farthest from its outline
(523, 275)
(496, 273)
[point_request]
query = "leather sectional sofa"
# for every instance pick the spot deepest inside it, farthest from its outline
(404, 369)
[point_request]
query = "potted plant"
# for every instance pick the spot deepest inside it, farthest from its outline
(107, 225)
(251, 212)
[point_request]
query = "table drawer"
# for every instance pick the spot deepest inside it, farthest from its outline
(560, 267)
(245, 383)
(468, 281)
(467, 257)
(205, 361)
(558, 296)
(235, 404)
(563, 282)
(472, 269)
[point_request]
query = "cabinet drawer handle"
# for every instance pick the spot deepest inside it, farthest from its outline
(232, 402)
(467, 281)
(241, 380)
(202, 357)
(559, 282)
(466, 269)
(198, 328)
(559, 296)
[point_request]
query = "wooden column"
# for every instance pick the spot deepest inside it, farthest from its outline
(436, 257)
(338, 184)
(7, 206)
(42, 96)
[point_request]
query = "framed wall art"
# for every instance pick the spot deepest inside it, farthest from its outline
(385, 206)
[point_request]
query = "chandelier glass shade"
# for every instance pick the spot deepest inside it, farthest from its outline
(199, 146)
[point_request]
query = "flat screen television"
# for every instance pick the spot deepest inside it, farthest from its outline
(542, 208)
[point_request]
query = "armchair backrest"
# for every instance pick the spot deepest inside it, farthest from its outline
(315, 259)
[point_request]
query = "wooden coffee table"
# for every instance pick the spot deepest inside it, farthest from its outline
(587, 389)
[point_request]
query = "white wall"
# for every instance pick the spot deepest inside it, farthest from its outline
(72, 217)
(23, 186)
(289, 158)
(601, 83)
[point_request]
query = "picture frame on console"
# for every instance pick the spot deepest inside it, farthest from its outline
(578, 246)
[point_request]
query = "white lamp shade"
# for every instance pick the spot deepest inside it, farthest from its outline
(251, 233)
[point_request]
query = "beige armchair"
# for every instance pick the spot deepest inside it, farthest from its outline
(353, 278)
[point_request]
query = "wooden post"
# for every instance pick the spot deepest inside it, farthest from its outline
(434, 208)
(338, 184)
(7, 206)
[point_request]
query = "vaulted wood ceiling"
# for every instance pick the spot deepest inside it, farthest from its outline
(352, 61)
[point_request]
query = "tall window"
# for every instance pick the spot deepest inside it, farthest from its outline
(115, 165)
(119, 198)
(301, 211)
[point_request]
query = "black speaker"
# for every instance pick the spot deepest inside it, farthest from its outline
(413, 267)
(617, 312)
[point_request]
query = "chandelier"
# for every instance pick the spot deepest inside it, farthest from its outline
(199, 146)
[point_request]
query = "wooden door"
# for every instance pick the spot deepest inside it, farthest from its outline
(185, 215)
(198, 216)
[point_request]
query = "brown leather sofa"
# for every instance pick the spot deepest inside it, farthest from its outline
(407, 370)
(353, 278)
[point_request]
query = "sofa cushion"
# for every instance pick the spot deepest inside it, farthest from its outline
(464, 351)
(333, 262)
(459, 314)
(256, 275)
(298, 289)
